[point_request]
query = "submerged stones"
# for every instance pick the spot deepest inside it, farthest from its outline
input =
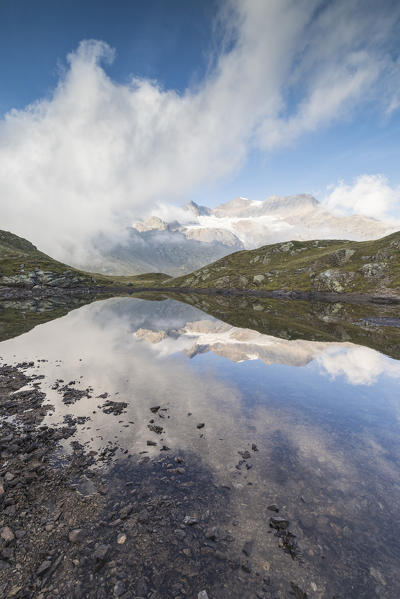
(278, 523)
(114, 407)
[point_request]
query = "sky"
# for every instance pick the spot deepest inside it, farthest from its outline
(108, 109)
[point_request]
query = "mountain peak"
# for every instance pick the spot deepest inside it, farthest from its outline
(197, 209)
(296, 202)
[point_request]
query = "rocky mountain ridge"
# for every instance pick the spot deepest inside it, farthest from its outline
(319, 266)
(195, 235)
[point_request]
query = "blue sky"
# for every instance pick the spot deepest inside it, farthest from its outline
(185, 100)
(165, 40)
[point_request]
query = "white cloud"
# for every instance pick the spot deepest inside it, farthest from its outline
(96, 154)
(359, 365)
(370, 195)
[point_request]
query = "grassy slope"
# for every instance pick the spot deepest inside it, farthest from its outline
(306, 266)
(17, 253)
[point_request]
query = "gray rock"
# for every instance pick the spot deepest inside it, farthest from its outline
(190, 520)
(100, 553)
(212, 533)
(248, 548)
(44, 566)
(119, 589)
(76, 535)
(202, 595)
(7, 534)
(278, 522)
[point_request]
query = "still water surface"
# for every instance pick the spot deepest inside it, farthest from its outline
(323, 415)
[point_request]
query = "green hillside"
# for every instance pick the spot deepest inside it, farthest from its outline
(23, 265)
(333, 266)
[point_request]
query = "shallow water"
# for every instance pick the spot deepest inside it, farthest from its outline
(323, 414)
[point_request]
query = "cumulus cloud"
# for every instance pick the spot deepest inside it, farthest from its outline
(359, 365)
(96, 154)
(370, 195)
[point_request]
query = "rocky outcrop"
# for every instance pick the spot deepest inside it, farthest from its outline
(41, 278)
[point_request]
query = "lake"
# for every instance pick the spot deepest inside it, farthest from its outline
(268, 409)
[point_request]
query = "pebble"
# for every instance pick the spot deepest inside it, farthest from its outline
(248, 548)
(44, 566)
(76, 536)
(121, 538)
(101, 552)
(119, 589)
(212, 533)
(201, 425)
(202, 595)
(7, 534)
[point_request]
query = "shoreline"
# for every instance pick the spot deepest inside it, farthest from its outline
(21, 293)
(103, 524)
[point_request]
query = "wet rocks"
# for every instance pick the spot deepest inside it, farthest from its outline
(245, 454)
(278, 523)
(248, 548)
(155, 428)
(114, 407)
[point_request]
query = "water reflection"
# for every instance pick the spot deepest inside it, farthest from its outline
(324, 416)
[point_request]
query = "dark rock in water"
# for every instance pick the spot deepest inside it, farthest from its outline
(278, 523)
(155, 409)
(114, 407)
(287, 541)
(201, 425)
(165, 448)
(245, 454)
(273, 508)
(248, 548)
(254, 447)
(155, 428)
(151, 443)
(298, 592)
(246, 567)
